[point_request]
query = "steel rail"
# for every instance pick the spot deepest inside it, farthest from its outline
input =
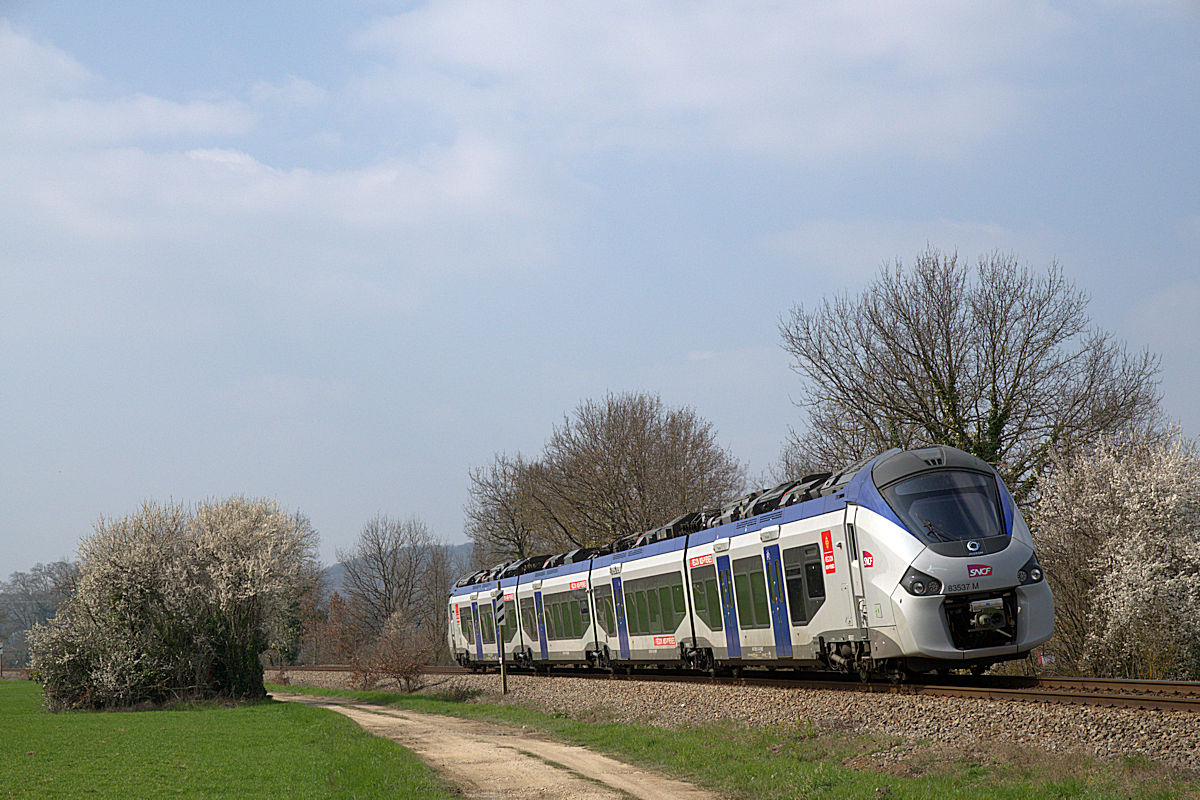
(1107, 692)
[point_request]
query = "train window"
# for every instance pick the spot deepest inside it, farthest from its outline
(793, 567)
(815, 580)
(643, 613)
(750, 589)
(716, 617)
(464, 622)
(569, 621)
(680, 603)
(947, 505)
(528, 618)
(604, 610)
(576, 619)
(762, 609)
(668, 610)
(699, 599)
(510, 622)
(485, 625)
(652, 602)
(706, 596)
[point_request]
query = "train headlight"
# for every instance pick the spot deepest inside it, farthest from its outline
(919, 584)
(1030, 573)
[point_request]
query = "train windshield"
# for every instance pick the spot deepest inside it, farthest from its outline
(947, 506)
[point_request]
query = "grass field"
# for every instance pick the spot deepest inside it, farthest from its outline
(267, 750)
(797, 762)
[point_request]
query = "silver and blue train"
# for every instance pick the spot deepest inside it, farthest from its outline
(907, 562)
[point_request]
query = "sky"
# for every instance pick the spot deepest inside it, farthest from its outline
(338, 254)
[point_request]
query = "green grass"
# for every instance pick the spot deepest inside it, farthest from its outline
(785, 763)
(266, 750)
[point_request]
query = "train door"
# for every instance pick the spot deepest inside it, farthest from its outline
(857, 586)
(496, 625)
(842, 606)
(728, 610)
(778, 600)
(478, 630)
(876, 569)
(622, 626)
(541, 625)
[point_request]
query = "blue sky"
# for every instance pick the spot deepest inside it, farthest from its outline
(337, 254)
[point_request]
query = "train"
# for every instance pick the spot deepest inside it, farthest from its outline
(907, 562)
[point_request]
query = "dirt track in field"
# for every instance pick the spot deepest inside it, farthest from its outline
(494, 762)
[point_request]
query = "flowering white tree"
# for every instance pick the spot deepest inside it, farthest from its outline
(176, 603)
(1118, 532)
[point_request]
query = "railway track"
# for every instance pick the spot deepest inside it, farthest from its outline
(1113, 693)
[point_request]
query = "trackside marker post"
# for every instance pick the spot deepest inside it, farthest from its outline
(500, 619)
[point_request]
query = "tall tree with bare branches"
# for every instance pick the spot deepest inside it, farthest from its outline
(616, 466)
(384, 571)
(999, 361)
(502, 518)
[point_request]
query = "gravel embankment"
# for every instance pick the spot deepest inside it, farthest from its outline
(1170, 737)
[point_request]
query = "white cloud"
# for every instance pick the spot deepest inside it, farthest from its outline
(126, 237)
(76, 121)
(32, 68)
(50, 101)
(109, 199)
(791, 80)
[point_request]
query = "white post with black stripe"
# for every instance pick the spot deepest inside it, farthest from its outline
(500, 619)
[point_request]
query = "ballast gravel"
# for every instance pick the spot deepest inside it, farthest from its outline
(1169, 737)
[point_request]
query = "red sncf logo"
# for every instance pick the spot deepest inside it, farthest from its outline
(978, 570)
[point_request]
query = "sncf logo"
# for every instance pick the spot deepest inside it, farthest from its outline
(978, 570)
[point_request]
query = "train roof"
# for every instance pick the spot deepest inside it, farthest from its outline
(808, 496)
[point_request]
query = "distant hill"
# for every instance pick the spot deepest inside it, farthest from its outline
(334, 576)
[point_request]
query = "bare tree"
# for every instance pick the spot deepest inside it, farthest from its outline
(441, 570)
(503, 520)
(385, 572)
(621, 465)
(997, 361)
(30, 598)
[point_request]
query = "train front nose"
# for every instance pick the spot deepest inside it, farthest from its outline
(985, 608)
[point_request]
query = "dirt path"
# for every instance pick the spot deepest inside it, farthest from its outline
(493, 762)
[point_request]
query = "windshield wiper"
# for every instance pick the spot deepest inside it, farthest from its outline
(936, 532)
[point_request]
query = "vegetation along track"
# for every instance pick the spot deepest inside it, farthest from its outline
(1111, 692)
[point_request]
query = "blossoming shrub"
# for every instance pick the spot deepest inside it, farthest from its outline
(1118, 531)
(176, 603)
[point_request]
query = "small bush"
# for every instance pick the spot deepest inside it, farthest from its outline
(400, 653)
